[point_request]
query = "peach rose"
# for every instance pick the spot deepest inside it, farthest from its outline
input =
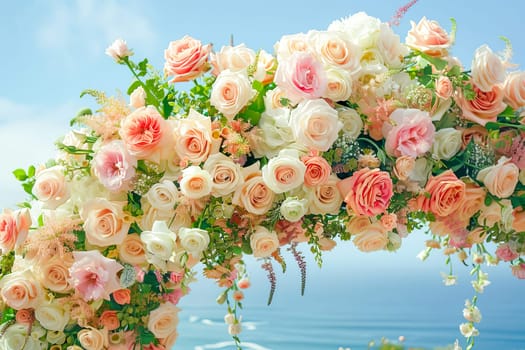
(14, 227)
(50, 187)
(234, 58)
(485, 106)
(231, 92)
(490, 215)
(25, 316)
(317, 170)
(284, 172)
(500, 179)
(428, 37)
(186, 59)
(444, 87)
(476, 133)
(193, 138)
(518, 224)
(367, 191)
(92, 339)
(225, 173)
(338, 84)
(163, 320)
(373, 237)
(334, 49)
(254, 195)
(132, 250)
(20, 290)
(487, 69)
(195, 183)
(143, 132)
(104, 222)
(474, 199)
(445, 194)
(54, 273)
(514, 90)
(326, 198)
(122, 296)
(358, 224)
(403, 167)
(109, 320)
(263, 242)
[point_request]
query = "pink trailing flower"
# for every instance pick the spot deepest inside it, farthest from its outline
(114, 166)
(94, 276)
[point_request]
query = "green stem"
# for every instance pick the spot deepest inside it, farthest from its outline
(144, 86)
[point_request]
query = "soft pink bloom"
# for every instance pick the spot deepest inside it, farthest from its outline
(487, 69)
(139, 274)
(94, 276)
(519, 271)
(410, 132)
(514, 89)
(174, 296)
(118, 50)
(389, 221)
(444, 87)
(428, 37)
(114, 166)
(14, 226)
(317, 170)
(507, 252)
(176, 277)
(186, 59)
(485, 106)
(301, 76)
(367, 191)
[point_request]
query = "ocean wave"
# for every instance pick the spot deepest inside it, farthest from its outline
(224, 344)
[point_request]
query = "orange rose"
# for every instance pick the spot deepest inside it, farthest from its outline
(109, 320)
(122, 296)
(446, 194)
(474, 199)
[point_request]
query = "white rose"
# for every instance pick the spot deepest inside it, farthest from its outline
(50, 187)
(272, 102)
(293, 209)
(163, 320)
(234, 58)
(91, 339)
(226, 174)
(487, 69)
(272, 134)
(352, 123)
(137, 98)
(196, 182)
(390, 46)
(55, 337)
(362, 29)
(163, 195)
(118, 50)
(339, 85)
(288, 44)
(284, 172)
(160, 241)
(194, 240)
(315, 124)
(231, 92)
(263, 242)
(53, 316)
(421, 171)
(447, 143)
(15, 337)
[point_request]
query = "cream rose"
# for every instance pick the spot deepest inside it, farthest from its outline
(234, 58)
(137, 98)
(326, 198)
(487, 69)
(231, 92)
(489, 215)
(132, 250)
(225, 173)
(315, 124)
(352, 123)
(20, 290)
(362, 29)
(163, 195)
(104, 222)
(334, 49)
(373, 237)
(195, 183)
(500, 179)
(289, 44)
(293, 209)
(514, 90)
(194, 240)
(16, 337)
(163, 320)
(54, 337)
(447, 143)
(160, 242)
(50, 187)
(263, 242)
(339, 84)
(92, 339)
(284, 172)
(390, 46)
(358, 224)
(53, 316)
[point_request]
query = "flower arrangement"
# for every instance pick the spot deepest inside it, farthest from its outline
(346, 134)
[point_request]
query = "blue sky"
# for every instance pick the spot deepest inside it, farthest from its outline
(52, 50)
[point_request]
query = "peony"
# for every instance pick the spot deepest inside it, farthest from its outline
(195, 183)
(315, 124)
(193, 137)
(186, 59)
(485, 106)
(104, 222)
(94, 276)
(53, 315)
(114, 166)
(163, 195)
(119, 50)
(132, 250)
(363, 30)
(446, 193)
(301, 77)
(92, 339)
(20, 290)
(231, 92)
(163, 320)
(325, 198)
(50, 187)
(293, 209)
(194, 240)
(14, 227)
(447, 143)
(284, 172)
(373, 237)
(367, 191)
(500, 179)
(159, 242)
(514, 90)
(428, 37)
(263, 242)
(272, 134)
(487, 69)
(507, 252)
(409, 132)
(225, 173)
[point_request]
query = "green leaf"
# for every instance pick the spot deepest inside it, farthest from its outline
(167, 106)
(133, 86)
(31, 171)
(439, 63)
(448, 120)
(20, 174)
(508, 113)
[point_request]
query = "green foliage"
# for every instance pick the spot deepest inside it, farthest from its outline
(134, 207)
(27, 178)
(6, 263)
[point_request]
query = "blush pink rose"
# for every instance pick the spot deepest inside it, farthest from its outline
(500, 179)
(143, 132)
(301, 77)
(114, 166)
(446, 193)
(409, 132)
(367, 191)
(317, 170)
(20, 290)
(506, 252)
(444, 87)
(104, 222)
(428, 37)
(514, 89)
(14, 227)
(193, 138)
(186, 59)
(485, 106)
(94, 276)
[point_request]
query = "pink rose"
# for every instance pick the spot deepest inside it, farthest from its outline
(301, 76)
(193, 137)
(94, 276)
(143, 132)
(507, 252)
(446, 193)
(519, 271)
(487, 69)
(20, 290)
(518, 223)
(409, 132)
(14, 227)
(317, 170)
(234, 58)
(25, 316)
(104, 222)
(500, 179)
(186, 59)
(231, 92)
(514, 89)
(444, 87)
(326, 198)
(253, 195)
(428, 37)
(367, 191)
(114, 166)
(373, 237)
(485, 106)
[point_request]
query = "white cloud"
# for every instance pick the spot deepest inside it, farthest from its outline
(89, 26)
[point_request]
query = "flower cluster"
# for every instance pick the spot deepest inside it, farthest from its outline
(342, 134)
